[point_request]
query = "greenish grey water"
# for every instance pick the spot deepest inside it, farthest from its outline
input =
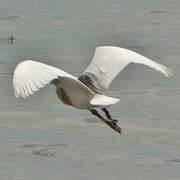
(42, 139)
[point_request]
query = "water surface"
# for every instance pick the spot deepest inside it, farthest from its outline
(40, 138)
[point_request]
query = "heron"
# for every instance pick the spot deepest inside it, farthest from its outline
(86, 91)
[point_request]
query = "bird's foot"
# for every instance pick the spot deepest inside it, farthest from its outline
(109, 121)
(114, 120)
(113, 123)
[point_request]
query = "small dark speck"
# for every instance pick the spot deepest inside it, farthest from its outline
(175, 160)
(12, 39)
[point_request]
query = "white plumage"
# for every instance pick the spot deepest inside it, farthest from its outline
(85, 92)
(108, 61)
(30, 76)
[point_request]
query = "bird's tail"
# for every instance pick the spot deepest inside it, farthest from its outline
(103, 101)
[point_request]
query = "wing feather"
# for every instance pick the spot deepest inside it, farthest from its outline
(30, 76)
(108, 61)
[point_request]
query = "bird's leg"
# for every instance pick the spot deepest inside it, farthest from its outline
(109, 122)
(108, 115)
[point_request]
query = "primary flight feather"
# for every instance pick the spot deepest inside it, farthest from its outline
(86, 91)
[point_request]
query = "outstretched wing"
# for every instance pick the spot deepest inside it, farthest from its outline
(108, 61)
(30, 76)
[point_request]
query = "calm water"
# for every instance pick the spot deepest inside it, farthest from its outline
(42, 139)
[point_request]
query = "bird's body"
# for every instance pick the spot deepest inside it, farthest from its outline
(74, 93)
(87, 91)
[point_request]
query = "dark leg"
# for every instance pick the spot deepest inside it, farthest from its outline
(108, 114)
(109, 122)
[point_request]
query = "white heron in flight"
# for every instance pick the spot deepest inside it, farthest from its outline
(86, 91)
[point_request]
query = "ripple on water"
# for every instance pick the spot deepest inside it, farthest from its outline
(9, 17)
(42, 152)
(174, 160)
(41, 145)
(93, 120)
(157, 12)
(168, 93)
